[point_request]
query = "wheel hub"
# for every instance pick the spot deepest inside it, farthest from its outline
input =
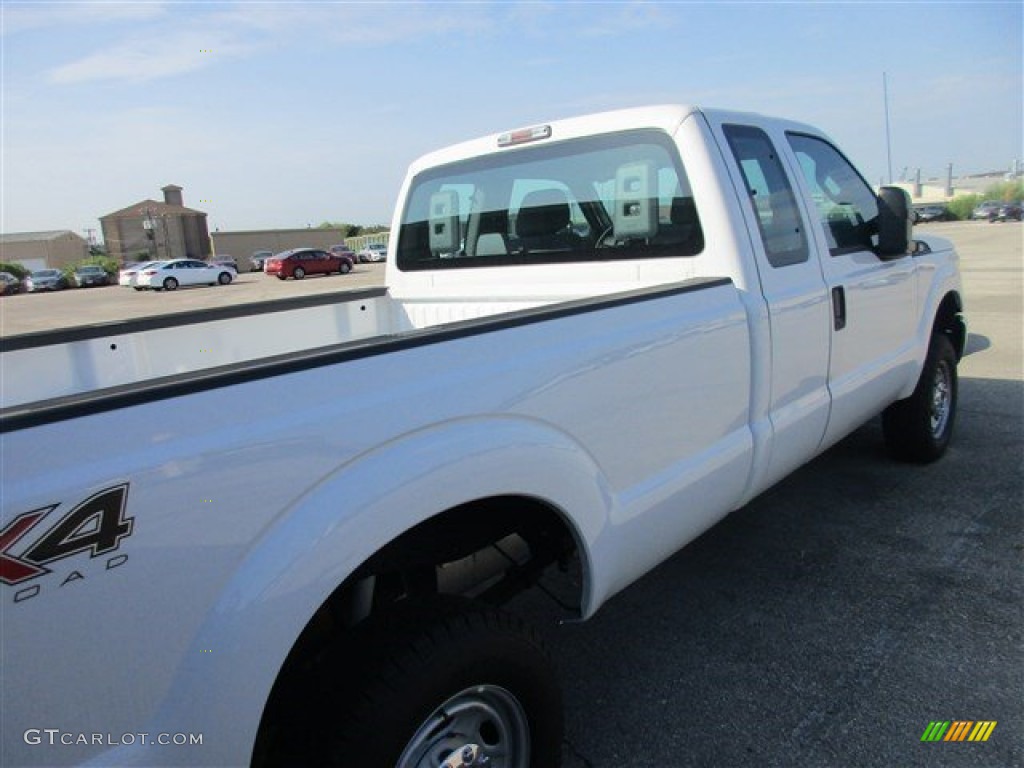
(480, 726)
(940, 405)
(467, 757)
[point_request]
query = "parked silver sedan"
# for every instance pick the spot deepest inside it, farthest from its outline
(373, 252)
(46, 280)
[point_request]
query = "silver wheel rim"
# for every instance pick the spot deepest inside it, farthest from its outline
(487, 716)
(942, 395)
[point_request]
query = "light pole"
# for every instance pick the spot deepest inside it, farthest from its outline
(888, 137)
(149, 224)
(167, 242)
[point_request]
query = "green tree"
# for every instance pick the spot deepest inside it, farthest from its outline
(1007, 191)
(353, 230)
(342, 225)
(15, 269)
(109, 263)
(961, 206)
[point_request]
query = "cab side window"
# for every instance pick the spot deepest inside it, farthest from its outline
(847, 206)
(771, 195)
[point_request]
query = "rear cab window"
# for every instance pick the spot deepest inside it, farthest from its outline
(620, 196)
(770, 194)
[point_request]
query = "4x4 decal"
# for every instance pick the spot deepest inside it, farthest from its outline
(96, 526)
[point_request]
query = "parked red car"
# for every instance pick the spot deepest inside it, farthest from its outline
(300, 262)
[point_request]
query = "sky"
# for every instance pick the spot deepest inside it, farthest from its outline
(275, 115)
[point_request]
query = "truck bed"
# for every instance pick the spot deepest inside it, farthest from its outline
(58, 374)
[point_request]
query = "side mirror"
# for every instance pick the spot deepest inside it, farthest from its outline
(895, 224)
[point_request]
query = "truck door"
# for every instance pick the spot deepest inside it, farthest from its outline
(874, 301)
(795, 296)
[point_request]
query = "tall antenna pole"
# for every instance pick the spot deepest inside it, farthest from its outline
(888, 136)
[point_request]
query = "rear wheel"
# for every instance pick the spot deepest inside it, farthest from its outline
(424, 683)
(170, 284)
(299, 273)
(920, 427)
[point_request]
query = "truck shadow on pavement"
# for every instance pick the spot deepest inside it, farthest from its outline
(976, 343)
(828, 621)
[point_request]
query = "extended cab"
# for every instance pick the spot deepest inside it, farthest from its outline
(598, 337)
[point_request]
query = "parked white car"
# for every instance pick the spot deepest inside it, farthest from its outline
(169, 275)
(129, 276)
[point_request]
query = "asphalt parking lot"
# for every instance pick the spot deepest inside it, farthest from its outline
(25, 313)
(831, 620)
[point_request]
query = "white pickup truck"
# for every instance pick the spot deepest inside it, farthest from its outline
(285, 546)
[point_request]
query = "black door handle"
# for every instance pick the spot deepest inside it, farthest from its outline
(838, 308)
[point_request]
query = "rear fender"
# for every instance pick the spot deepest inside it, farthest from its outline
(226, 678)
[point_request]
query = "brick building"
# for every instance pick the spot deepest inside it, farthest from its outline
(151, 229)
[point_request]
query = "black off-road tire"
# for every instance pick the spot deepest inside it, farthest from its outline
(376, 695)
(919, 428)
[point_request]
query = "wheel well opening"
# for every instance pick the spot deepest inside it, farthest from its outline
(949, 321)
(490, 550)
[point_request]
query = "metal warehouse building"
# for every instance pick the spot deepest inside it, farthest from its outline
(38, 250)
(243, 243)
